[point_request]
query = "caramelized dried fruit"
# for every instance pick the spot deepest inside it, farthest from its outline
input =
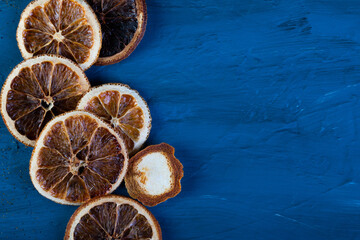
(123, 24)
(154, 175)
(112, 217)
(77, 157)
(63, 27)
(36, 91)
(123, 108)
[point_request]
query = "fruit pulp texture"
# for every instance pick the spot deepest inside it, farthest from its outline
(59, 27)
(113, 221)
(79, 160)
(121, 111)
(118, 19)
(39, 93)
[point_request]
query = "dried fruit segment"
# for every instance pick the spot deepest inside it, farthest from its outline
(43, 73)
(27, 83)
(80, 130)
(104, 144)
(16, 99)
(106, 215)
(123, 24)
(124, 109)
(63, 27)
(50, 158)
(112, 217)
(57, 139)
(108, 167)
(89, 229)
(36, 91)
(77, 157)
(60, 189)
(76, 190)
(95, 184)
(154, 175)
(110, 100)
(49, 177)
(71, 11)
(127, 213)
(30, 124)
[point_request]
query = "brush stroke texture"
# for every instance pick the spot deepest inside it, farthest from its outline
(260, 99)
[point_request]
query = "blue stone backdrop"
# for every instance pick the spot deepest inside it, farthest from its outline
(260, 98)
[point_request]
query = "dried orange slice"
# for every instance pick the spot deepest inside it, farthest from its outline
(123, 108)
(77, 157)
(154, 175)
(36, 91)
(112, 217)
(64, 27)
(123, 24)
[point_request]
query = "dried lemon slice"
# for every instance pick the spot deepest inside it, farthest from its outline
(36, 91)
(123, 24)
(77, 157)
(154, 175)
(64, 27)
(112, 217)
(123, 108)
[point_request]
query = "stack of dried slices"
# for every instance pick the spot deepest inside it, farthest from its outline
(83, 136)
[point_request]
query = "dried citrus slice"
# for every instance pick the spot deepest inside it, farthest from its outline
(77, 157)
(123, 108)
(63, 27)
(154, 175)
(36, 91)
(112, 217)
(123, 24)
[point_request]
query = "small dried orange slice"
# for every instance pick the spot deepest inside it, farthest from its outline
(77, 157)
(36, 91)
(64, 27)
(154, 175)
(112, 217)
(123, 24)
(123, 108)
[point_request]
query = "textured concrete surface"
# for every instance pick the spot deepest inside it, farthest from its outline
(260, 98)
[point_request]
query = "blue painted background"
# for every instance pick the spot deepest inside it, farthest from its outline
(260, 98)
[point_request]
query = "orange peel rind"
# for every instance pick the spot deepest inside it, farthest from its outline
(154, 175)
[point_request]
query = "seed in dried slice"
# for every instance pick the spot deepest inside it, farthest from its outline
(154, 175)
(36, 91)
(63, 27)
(123, 108)
(123, 24)
(112, 217)
(77, 157)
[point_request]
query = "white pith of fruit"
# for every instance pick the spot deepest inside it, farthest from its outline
(153, 174)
